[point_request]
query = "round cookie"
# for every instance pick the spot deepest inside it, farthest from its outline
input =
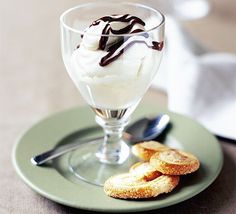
(174, 162)
(146, 149)
(129, 186)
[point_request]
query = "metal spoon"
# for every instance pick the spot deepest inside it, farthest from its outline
(142, 130)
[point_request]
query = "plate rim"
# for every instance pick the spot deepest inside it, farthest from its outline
(63, 202)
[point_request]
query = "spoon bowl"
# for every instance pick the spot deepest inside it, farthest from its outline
(147, 129)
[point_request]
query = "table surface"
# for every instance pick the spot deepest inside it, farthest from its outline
(34, 84)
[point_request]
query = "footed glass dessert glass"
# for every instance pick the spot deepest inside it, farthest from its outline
(112, 52)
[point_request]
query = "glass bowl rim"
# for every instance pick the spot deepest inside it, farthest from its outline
(81, 32)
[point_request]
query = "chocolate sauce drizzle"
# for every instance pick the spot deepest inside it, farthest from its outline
(117, 49)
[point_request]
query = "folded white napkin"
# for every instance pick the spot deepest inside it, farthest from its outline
(199, 84)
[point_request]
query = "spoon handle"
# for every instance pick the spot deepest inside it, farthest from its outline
(58, 151)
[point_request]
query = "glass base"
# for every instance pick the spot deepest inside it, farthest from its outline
(84, 164)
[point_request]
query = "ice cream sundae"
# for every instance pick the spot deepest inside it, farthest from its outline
(115, 61)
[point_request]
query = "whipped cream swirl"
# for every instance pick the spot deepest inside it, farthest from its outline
(109, 27)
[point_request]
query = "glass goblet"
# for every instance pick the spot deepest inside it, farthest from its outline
(112, 60)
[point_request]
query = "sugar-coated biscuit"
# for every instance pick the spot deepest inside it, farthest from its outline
(158, 174)
(129, 186)
(146, 149)
(174, 162)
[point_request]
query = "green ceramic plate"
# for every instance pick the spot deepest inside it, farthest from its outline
(55, 181)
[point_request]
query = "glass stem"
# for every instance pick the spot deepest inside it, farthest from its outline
(114, 149)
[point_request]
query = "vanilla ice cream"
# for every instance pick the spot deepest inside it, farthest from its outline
(113, 71)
